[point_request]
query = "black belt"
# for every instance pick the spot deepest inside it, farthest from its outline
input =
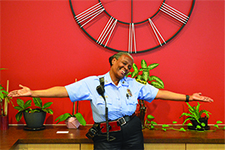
(123, 120)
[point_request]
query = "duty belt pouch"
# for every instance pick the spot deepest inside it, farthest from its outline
(93, 131)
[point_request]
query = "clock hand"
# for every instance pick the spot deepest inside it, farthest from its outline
(131, 11)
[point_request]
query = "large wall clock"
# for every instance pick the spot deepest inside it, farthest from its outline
(133, 26)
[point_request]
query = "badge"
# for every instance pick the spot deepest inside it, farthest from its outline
(129, 94)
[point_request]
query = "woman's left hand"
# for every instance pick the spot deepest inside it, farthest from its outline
(199, 97)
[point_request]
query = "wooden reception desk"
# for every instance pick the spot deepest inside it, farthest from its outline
(17, 138)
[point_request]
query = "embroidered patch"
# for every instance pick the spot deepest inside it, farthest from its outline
(141, 81)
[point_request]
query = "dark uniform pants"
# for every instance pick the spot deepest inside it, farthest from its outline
(130, 137)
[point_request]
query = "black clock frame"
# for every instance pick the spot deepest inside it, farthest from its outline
(141, 51)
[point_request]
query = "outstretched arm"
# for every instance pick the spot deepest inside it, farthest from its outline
(54, 92)
(167, 95)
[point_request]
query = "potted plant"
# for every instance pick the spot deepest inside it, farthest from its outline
(4, 100)
(72, 120)
(143, 75)
(34, 116)
(198, 122)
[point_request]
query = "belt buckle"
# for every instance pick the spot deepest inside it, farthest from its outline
(122, 119)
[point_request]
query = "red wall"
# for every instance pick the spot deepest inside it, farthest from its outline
(42, 46)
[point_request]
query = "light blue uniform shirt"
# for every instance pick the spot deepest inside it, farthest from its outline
(121, 100)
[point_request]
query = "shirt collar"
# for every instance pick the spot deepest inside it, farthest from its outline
(108, 80)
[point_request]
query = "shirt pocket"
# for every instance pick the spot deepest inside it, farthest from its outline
(100, 106)
(132, 101)
(112, 106)
(132, 104)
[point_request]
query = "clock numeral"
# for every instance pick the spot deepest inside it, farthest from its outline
(89, 14)
(174, 13)
(156, 32)
(132, 39)
(107, 31)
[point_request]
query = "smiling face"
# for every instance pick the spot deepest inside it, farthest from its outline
(120, 68)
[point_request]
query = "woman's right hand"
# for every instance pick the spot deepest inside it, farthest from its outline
(24, 92)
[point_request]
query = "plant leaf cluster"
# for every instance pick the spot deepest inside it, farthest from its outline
(4, 96)
(143, 74)
(3, 92)
(217, 125)
(195, 114)
(150, 124)
(26, 107)
(65, 116)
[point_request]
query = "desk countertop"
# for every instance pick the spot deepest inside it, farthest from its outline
(16, 135)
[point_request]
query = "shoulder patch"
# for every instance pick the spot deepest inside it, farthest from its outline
(141, 81)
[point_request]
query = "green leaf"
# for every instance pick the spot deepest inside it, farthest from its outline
(144, 69)
(174, 122)
(153, 123)
(63, 117)
(27, 110)
(3, 93)
(20, 102)
(34, 110)
(19, 116)
(157, 79)
(198, 127)
(139, 77)
(37, 102)
(145, 75)
(191, 109)
(157, 85)
(1, 96)
(218, 122)
(215, 125)
(163, 129)
(48, 110)
(128, 74)
(152, 127)
(150, 117)
(80, 118)
(18, 108)
(27, 104)
(3, 68)
(46, 105)
(135, 72)
(205, 112)
(203, 124)
(152, 66)
(187, 120)
(182, 129)
(197, 110)
(143, 64)
(165, 126)
(187, 115)
(189, 124)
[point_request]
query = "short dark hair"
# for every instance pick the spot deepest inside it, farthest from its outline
(117, 56)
